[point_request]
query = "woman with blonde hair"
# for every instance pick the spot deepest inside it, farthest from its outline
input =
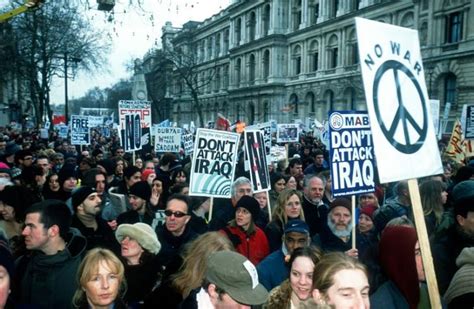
(178, 286)
(433, 194)
(340, 281)
(288, 207)
(101, 281)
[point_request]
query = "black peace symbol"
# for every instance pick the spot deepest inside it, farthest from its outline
(402, 116)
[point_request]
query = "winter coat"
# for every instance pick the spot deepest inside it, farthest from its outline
(328, 242)
(388, 296)
(49, 281)
(462, 283)
(273, 270)
(274, 233)
(254, 246)
(171, 246)
(315, 215)
(280, 297)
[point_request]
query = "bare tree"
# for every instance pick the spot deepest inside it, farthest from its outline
(50, 39)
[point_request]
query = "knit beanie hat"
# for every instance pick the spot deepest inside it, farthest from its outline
(142, 233)
(462, 282)
(141, 189)
(368, 210)
(66, 172)
(463, 196)
(147, 173)
(6, 258)
(80, 194)
(250, 204)
(342, 202)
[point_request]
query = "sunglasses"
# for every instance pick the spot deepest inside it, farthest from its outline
(177, 214)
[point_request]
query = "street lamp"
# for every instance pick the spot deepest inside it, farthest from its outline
(75, 61)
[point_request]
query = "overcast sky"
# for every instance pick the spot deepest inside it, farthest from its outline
(134, 32)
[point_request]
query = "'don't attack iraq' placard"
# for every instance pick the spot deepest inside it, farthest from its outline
(351, 153)
(214, 160)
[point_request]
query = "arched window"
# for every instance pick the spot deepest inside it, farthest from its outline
(352, 49)
(266, 63)
(251, 69)
(450, 88)
(266, 111)
(266, 19)
(251, 23)
(238, 31)
(218, 45)
(333, 52)
(311, 102)
(329, 100)
(294, 103)
(251, 113)
(313, 56)
(297, 14)
(238, 68)
(296, 60)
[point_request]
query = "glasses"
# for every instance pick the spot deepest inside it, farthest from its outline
(177, 214)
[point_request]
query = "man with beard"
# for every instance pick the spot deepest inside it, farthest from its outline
(336, 235)
(138, 197)
(447, 245)
(86, 203)
(315, 211)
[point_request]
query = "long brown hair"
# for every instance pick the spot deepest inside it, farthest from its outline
(283, 197)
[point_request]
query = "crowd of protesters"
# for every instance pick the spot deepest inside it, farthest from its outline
(96, 227)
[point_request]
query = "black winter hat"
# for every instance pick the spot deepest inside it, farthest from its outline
(341, 202)
(141, 189)
(80, 194)
(129, 171)
(250, 204)
(66, 172)
(109, 166)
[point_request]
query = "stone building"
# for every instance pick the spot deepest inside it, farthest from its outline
(291, 59)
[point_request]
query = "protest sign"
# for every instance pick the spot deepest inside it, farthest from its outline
(143, 108)
(287, 133)
(468, 121)
(63, 131)
(266, 129)
(80, 131)
(167, 139)
(255, 151)
(277, 153)
(131, 132)
(96, 121)
(434, 104)
(214, 160)
(397, 101)
(188, 143)
(351, 153)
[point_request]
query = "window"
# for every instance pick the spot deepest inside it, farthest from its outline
(218, 44)
(315, 57)
(297, 15)
(294, 103)
(238, 66)
(266, 19)
(251, 69)
(238, 31)
(332, 52)
(450, 89)
(453, 27)
(333, 57)
(297, 59)
(252, 23)
(225, 76)
(266, 64)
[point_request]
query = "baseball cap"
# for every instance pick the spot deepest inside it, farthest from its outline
(296, 225)
(237, 276)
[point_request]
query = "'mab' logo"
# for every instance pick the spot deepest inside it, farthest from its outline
(399, 102)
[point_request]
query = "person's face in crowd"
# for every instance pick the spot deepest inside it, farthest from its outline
(103, 287)
(367, 199)
(156, 161)
(86, 154)
(297, 169)
(149, 165)
(261, 198)
(43, 163)
(59, 161)
(180, 178)
(419, 263)
(4, 286)
(72, 149)
(69, 184)
(100, 183)
(291, 184)
(280, 185)
(119, 167)
(54, 183)
(139, 163)
(137, 203)
(5, 175)
(340, 217)
(157, 186)
(7, 212)
(365, 223)
(444, 196)
(223, 300)
(328, 188)
(34, 232)
(27, 161)
(134, 179)
(241, 190)
(175, 222)
(314, 191)
(349, 290)
(131, 250)
(99, 157)
(84, 166)
(91, 205)
(150, 178)
(293, 207)
(243, 218)
(184, 191)
(467, 224)
(301, 278)
(319, 160)
(119, 152)
(3, 145)
(294, 240)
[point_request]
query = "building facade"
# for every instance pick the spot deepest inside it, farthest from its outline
(291, 59)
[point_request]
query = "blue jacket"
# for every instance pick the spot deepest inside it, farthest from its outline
(272, 271)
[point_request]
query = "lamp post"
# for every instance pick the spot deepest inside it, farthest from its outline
(75, 60)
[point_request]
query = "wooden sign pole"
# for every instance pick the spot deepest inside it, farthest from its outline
(353, 221)
(424, 244)
(211, 206)
(269, 207)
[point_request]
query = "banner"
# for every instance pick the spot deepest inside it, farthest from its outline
(96, 121)
(277, 153)
(351, 153)
(167, 139)
(454, 149)
(188, 143)
(435, 106)
(214, 161)
(131, 132)
(468, 121)
(266, 129)
(397, 101)
(288, 133)
(63, 131)
(255, 151)
(143, 108)
(80, 131)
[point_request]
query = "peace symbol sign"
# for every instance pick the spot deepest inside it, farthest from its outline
(403, 120)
